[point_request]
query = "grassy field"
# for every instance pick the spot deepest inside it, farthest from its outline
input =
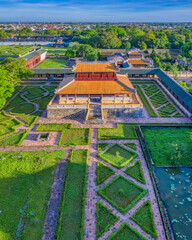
(123, 131)
(14, 50)
(53, 63)
(25, 183)
(105, 218)
(71, 217)
(122, 193)
(53, 50)
(144, 218)
(117, 155)
(169, 145)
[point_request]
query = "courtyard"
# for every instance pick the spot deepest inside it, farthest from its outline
(76, 180)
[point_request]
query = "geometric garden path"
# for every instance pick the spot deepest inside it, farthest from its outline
(92, 197)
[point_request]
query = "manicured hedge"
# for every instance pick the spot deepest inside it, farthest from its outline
(131, 145)
(123, 131)
(101, 146)
(105, 218)
(144, 218)
(167, 110)
(70, 224)
(158, 99)
(75, 137)
(14, 140)
(30, 119)
(126, 232)
(136, 172)
(127, 155)
(146, 102)
(103, 172)
(151, 90)
(53, 127)
(122, 180)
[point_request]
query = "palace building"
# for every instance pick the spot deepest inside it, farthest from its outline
(35, 57)
(134, 58)
(95, 91)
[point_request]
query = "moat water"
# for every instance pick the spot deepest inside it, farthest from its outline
(175, 185)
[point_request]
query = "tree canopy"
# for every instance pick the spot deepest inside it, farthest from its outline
(11, 72)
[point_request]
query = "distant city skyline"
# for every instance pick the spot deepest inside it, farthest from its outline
(95, 11)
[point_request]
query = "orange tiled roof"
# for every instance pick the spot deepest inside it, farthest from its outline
(95, 67)
(137, 61)
(94, 87)
(125, 80)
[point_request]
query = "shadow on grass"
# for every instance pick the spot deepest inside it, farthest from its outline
(27, 195)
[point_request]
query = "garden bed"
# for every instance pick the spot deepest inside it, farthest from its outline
(71, 217)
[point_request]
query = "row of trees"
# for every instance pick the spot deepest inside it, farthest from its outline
(11, 72)
(110, 36)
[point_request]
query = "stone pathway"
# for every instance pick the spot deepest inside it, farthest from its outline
(54, 201)
(91, 196)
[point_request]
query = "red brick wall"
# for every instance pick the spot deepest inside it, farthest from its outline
(33, 62)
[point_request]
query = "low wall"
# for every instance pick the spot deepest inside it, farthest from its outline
(182, 74)
(66, 113)
(122, 113)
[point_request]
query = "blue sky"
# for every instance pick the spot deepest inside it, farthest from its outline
(96, 10)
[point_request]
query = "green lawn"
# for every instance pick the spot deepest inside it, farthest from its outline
(169, 145)
(14, 102)
(103, 172)
(144, 218)
(105, 218)
(75, 137)
(53, 50)
(123, 131)
(122, 193)
(43, 101)
(53, 127)
(25, 183)
(126, 232)
(25, 108)
(14, 50)
(136, 172)
(117, 155)
(53, 63)
(71, 217)
(149, 90)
